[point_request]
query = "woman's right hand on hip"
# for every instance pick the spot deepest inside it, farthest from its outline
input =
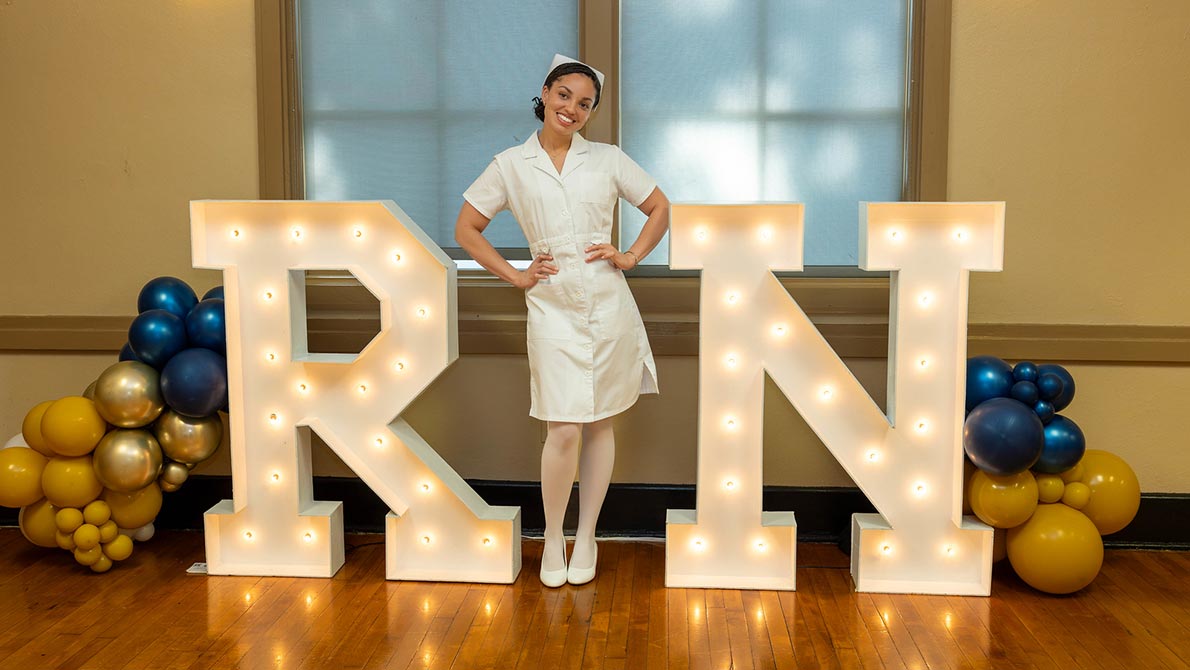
(541, 268)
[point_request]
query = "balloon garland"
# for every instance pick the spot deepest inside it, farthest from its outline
(1049, 497)
(88, 471)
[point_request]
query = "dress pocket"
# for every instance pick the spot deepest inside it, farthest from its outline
(598, 191)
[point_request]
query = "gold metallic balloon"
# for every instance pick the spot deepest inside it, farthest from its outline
(127, 460)
(174, 474)
(188, 440)
(166, 486)
(128, 395)
(90, 392)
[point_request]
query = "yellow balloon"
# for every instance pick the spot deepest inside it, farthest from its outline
(70, 482)
(65, 540)
(20, 476)
(88, 556)
(1000, 545)
(1049, 488)
(103, 564)
(1074, 474)
(37, 523)
(1077, 495)
(31, 429)
(69, 519)
(72, 426)
(968, 473)
(1115, 491)
(1003, 502)
(119, 548)
(97, 512)
(108, 532)
(1058, 550)
(86, 536)
(133, 510)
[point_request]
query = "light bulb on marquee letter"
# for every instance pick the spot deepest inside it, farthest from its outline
(357, 408)
(915, 243)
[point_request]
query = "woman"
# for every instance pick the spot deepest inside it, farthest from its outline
(589, 358)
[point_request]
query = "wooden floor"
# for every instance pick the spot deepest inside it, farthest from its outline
(147, 613)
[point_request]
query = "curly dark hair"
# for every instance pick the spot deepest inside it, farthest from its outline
(561, 71)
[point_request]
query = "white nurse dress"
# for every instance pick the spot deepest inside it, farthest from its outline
(589, 357)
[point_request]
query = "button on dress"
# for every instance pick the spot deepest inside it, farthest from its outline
(589, 357)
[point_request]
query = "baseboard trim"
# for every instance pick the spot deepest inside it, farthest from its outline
(638, 510)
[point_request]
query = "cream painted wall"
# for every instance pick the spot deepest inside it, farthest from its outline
(117, 113)
(1075, 113)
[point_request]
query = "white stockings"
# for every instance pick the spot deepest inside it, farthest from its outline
(560, 458)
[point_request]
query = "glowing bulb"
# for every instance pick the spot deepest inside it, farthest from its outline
(422, 312)
(396, 256)
(308, 537)
(732, 298)
(731, 361)
(362, 388)
(765, 233)
(873, 456)
(698, 544)
(925, 299)
(358, 233)
(487, 541)
(701, 234)
(923, 363)
(303, 388)
(248, 535)
(399, 366)
(921, 426)
(730, 422)
(760, 546)
(267, 295)
(780, 330)
(235, 233)
(270, 356)
(276, 477)
(380, 441)
(886, 549)
(274, 419)
(296, 233)
(919, 489)
(425, 539)
(948, 550)
(895, 235)
(425, 487)
(960, 235)
(729, 485)
(827, 393)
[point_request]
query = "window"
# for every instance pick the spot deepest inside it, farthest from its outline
(733, 101)
(409, 100)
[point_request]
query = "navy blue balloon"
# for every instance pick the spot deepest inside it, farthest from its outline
(205, 325)
(1064, 446)
(1044, 410)
(194, 383)
(1063, 399)
(156, 335)
(1025, 372)
(169, 293)
(216, 292)
(127, 354)
(1025, 392)
(987, 377)
(1050, 387)
(1003, 437)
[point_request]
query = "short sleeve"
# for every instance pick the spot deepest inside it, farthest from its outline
(488, 193)
(633, 183)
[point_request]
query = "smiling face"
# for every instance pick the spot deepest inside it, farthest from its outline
(568, 103)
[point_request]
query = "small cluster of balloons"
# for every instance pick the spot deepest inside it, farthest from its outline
(1033, 479)
(88, 471)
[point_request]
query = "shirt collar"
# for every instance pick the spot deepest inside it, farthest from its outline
(532, 146)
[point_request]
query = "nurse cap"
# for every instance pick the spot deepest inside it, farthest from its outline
(559, 59)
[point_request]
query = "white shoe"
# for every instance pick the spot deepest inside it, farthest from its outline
(554, 578)
(578, 576)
